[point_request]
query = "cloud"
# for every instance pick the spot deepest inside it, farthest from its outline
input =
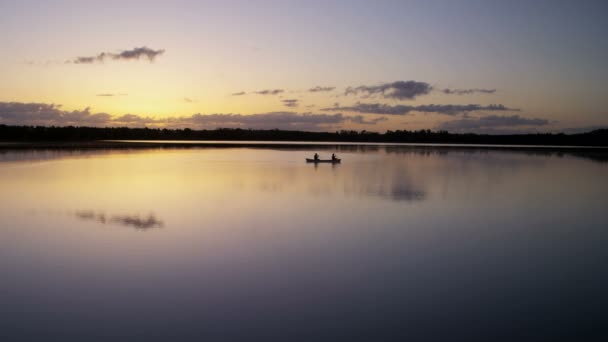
(467, 91)
(133, 54)
(399, 90)
(359, 119)
(584, 129)
(270, 91)
(111, 94)
(372, 108)
(16, 113)
(290, 102)
(240, 93)
(408, 90)
(48, 114)
(459, 109)
(449, 109)
(133, 120)
(138, 53)
(87, 60)
(320, 89)
(490, 123)
(279, 120)
(45, 63)
(187, 99)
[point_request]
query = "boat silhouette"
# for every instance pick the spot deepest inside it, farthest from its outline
(333, 161)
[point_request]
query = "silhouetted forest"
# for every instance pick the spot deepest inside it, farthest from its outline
(71, 134)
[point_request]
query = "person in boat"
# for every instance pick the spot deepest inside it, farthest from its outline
(316, 156)
(333, 157)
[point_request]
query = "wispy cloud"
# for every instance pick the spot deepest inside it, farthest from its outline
(189, 100)
(467, 91)
(133, 54)
(88, 60)
(449, 109)
(270, 91)
(290, 102)
(16, 113)
(320, 89)
(490, 123)
(111, 94)
(399, 90)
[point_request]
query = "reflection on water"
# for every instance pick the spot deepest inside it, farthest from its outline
(40, 154)
(134, 221)
(394, 243)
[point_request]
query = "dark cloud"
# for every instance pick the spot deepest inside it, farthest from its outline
(467, 91)
(399, 90)
(584, 129)
(372, 108)
(48, 114)
(290, 102)
(280, 120)
(490, 124)
(359, 119)
(135, 53)
(15, 113)
(320, 89)
(270, 91)
(408, 90)
(238, 94)
(133, 120)
(459, 109)
(380, 108)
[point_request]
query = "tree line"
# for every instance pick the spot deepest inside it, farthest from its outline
(73, 133)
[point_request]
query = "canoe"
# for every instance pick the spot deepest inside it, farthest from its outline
(334, 161)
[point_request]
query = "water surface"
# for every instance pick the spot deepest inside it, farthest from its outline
(243, 243)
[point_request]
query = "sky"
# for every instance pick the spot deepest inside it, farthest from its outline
(462, 66)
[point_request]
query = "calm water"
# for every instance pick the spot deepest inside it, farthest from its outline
(239, 243)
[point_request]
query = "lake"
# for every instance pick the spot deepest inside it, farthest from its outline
(239, 243)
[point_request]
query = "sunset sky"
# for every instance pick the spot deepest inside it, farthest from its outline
(464, 66)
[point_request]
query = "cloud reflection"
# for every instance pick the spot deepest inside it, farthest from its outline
(404, 193)
(135, 221)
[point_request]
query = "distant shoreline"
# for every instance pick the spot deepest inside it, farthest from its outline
(117, 137)
(323, 145)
